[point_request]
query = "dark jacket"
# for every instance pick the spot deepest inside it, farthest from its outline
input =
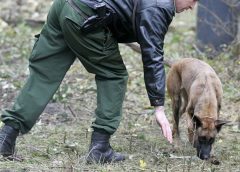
(151, 22)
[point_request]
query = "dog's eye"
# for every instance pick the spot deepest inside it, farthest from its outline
(205, 140)
(202, 139)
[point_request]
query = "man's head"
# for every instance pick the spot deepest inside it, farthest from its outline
(182, 5)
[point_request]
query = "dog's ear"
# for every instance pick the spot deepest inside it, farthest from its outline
(219, 124)
(197, 121)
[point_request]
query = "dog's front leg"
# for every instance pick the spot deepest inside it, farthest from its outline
(191, 131)
(176, 105)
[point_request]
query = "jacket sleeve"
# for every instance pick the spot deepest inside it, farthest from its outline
(151, 26)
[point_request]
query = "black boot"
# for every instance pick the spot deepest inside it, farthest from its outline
(100, 150)
(8, 137)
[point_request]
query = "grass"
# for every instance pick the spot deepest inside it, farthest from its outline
(59, 141)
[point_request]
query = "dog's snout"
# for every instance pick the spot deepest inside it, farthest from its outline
(203, 151)
(204, 157)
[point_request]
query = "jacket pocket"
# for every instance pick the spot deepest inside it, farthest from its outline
(72, 16)
(36, 37)
(76, 23)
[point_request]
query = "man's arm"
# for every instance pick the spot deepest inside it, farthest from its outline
(152, 25)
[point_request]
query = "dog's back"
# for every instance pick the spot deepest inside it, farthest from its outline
(201, 84)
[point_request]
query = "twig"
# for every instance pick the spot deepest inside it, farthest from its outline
(166, 167)
(134, 47)
(198, 50)
(189, 164)
(11, 158)
(137, 49)
(232, 123)
(38, 150)
(73, 114)
(69, 168)
(34, 23)
(181, 157)
(130, 144)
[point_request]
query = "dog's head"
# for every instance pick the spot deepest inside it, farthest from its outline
(206, 130)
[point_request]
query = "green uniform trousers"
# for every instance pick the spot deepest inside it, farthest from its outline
(55, 50)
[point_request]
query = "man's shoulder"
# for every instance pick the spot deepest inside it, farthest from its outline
(168, 4)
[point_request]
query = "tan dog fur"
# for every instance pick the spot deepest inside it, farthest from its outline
(195, 89)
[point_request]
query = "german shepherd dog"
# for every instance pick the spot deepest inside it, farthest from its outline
(195, 89)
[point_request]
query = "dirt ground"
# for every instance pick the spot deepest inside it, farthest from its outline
(59, 141)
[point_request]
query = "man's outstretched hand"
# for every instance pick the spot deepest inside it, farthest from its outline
(163, 122)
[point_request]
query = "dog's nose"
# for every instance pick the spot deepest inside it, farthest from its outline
(204, 157)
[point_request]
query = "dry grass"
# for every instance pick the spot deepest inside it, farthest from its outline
(59, 141)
